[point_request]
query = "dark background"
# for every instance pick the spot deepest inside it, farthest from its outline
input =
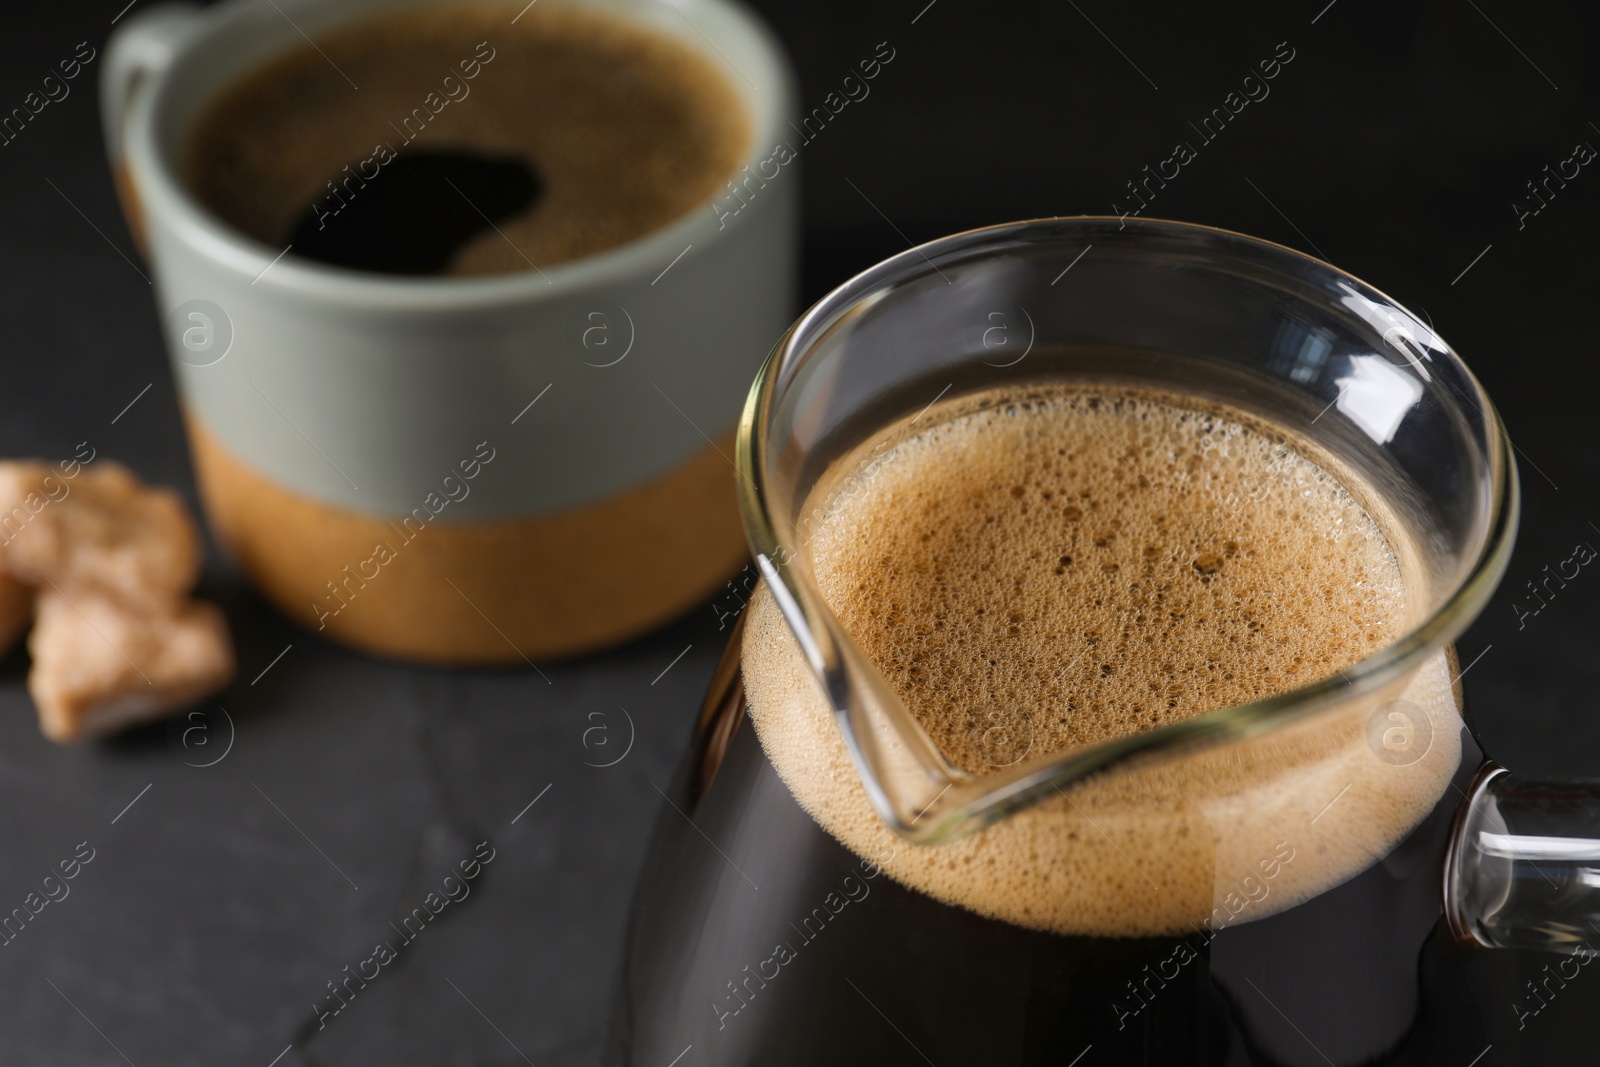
(207, 925)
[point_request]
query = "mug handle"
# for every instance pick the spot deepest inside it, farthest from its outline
(1523, 868)
(143, 45)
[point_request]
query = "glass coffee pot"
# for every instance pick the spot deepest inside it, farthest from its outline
(1286, 881)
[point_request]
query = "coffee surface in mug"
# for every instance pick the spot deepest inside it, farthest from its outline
(453, 140)
(1053, 567)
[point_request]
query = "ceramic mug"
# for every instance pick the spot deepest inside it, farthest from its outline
(498, 468)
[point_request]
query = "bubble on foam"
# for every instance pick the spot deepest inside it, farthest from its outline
(1040, 571)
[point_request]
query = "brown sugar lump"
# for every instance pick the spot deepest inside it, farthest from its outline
(104, 564)
(101, 663)
(102, 527)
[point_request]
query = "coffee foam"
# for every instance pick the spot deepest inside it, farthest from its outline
(1038, 571)
(629, 129)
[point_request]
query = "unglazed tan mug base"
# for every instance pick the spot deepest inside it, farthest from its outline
(502, 591)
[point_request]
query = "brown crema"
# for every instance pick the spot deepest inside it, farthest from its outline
(628, 128)
(1038, 570)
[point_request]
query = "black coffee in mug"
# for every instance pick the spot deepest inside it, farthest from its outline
(454, 140)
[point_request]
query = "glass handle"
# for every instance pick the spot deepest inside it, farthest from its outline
(1524, 864)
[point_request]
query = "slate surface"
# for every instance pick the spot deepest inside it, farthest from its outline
(219, 904)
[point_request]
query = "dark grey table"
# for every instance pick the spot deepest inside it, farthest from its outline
(222, 900)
